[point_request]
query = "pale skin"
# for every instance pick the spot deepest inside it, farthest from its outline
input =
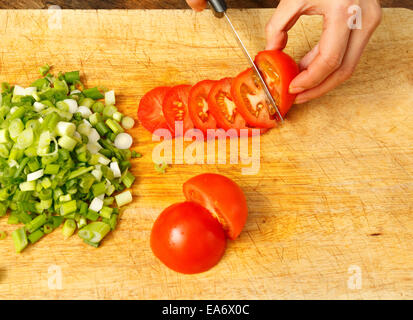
(334, 59)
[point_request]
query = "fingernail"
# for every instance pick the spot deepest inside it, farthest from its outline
(300, 100)
(294, 90)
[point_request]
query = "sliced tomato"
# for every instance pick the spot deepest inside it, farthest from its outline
(278, 70)
(222, 197)
(150, 112)
(224, 109)
(175, 107)
(187, 238)
(251, 100)
(198, 106)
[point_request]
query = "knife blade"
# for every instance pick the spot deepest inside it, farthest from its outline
(220, 10)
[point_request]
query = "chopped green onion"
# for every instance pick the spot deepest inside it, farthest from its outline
(94, 232)
(67, 143)
(123, 198)
(128, 123)
(35, 236)
(19, 239)
(93, 93)
(36, 223)
(69, 227)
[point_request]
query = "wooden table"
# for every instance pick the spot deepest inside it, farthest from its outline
(155, 4)
(333, 199)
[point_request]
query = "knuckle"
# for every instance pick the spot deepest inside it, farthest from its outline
(332, 60)
(345, 73)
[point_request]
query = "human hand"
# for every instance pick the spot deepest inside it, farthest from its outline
(197, 5)
(334, 59)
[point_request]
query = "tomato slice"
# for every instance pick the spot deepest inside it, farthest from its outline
(175, 107)
(278, 70)
(222, 197)
(187, 238)
(251, 100)
(199, 108)
(150, 112)
(223, 107)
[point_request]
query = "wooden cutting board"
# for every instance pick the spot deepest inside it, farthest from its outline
(331, 203)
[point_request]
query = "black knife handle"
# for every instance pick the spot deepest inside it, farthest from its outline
(219, 7)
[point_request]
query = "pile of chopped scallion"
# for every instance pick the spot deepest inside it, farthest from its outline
(63, 157)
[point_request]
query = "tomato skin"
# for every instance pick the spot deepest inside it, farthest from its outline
(220, 196)
(198, 92)
(286, 68)
(187, 238)
(264, 119)
(177, 94)
(150, 112)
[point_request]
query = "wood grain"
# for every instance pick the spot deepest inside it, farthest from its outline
(155, 4)
(334, 189)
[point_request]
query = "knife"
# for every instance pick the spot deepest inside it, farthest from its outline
(220, 10)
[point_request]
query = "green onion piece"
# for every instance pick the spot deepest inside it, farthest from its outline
(99, 188)
(44, 70)
(79, 172)
(69, 227)
(48, 228)
(94, 232)
(67, 143)
(52, 169)
(93, 93)
(57, 221)
(92, 215)
(117, 116)
(19, 239)
(36, 223)
(123, 198)
(35, 236)
(102, 128)
(68, 207)
(114, 126)
(128, 179)
(28, 186)
(98, 107)
(106, 212)
(72, 77)
(128, 123)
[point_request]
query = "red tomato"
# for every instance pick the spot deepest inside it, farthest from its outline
(222, 197)
(175, 107)
(251, 100)
(198, 106)
(150, 109)
(278, 70)
(222, 106)
(187, 238)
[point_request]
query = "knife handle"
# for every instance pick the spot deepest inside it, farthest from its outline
(218, 6)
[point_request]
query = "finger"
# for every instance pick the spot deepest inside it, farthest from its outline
(357, 43)
(284, 17)
(332, 47)
(309, 57)
(197, 5)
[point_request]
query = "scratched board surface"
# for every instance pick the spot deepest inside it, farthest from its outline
(332, 200)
